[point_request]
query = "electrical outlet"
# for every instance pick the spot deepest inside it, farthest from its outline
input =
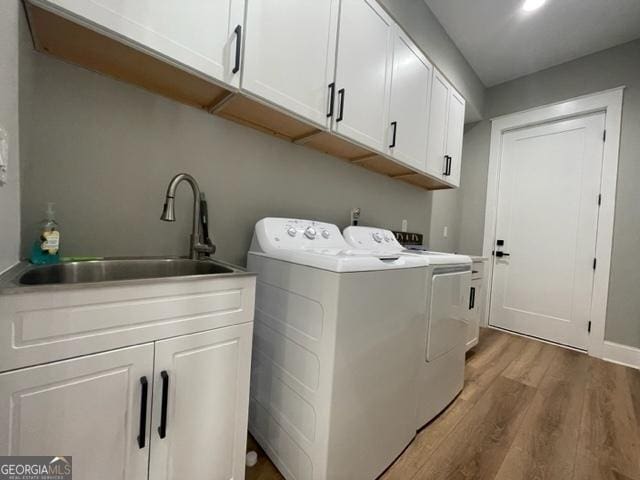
(445, 232)
(405, 225)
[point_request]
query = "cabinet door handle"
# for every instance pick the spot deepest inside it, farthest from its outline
(238, 32)
(446, 165)
(332, 98)
(162, 429)
(449, 165)
(142, 433)
(472, 298)
(341, 113)
(395, 131)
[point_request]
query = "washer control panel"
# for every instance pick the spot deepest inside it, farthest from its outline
(292, 233)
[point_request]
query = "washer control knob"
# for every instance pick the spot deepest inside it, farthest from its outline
(377, 237)
(310, 233)
(325, 234)
(292, 231)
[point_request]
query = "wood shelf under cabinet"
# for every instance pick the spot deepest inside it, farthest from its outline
(96, 51)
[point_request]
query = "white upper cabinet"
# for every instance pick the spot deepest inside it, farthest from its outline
(455, 134)
(438, 117)
(93, 408)
(202, 36)
(446, 128)
(409, 109)
(290, 48)
(363, 73)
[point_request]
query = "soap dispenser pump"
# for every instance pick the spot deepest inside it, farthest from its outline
(46, 247)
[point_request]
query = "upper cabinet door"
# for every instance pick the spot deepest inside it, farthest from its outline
(290, 48)
(455, 134)
(438, 119)
(409, 110)
(363, 73)
(90, 408)
(201, 36)
(201, 404)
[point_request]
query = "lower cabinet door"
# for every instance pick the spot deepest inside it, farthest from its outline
(88, 408)
(475, 304)
(200, 405)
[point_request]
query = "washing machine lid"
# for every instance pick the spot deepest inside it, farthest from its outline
(321, 245)
(373, 238)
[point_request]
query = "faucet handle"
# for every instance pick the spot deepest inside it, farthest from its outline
(207, 248)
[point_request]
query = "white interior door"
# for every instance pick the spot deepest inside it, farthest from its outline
(363, 73)
(88, 408)
(547, 218)
(201, 404)
(409, 110)
(200, 35)
(290, 49)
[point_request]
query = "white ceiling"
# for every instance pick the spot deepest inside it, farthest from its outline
(503, 42)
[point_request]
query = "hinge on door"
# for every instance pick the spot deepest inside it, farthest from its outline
(589, 327)
(594, 263)
(599, 199)
(604, 136)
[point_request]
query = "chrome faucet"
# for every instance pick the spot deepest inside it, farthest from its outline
(199, 245)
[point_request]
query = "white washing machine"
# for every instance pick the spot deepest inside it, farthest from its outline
(333, 372)
(442, 358)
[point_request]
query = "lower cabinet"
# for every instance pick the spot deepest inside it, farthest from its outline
(200, 405)
(475, 304)
(171, 409)
(88, 408)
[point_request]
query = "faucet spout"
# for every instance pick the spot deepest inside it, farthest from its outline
(197, 246)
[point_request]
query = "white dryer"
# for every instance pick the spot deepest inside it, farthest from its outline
(442, 358)
(333, 373)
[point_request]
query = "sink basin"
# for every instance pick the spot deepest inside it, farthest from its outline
(122, 269)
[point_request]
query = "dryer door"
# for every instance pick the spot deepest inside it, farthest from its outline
(447, 314)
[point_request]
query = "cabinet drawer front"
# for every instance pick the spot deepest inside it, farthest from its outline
(47, 326)
(87, 408)
(477, 270)
(202, 383)
(191, 33)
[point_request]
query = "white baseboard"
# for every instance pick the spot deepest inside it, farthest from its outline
(8, 268)
(622, 354)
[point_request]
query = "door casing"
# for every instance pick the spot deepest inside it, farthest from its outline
(610, 102)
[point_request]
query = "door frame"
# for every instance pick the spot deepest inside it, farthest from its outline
(609, 102)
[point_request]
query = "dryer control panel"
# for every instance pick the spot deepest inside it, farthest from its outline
(372, 238)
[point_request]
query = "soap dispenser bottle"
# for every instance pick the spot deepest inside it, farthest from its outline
(46, 248)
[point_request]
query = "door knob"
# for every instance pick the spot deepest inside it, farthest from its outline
(502, 254)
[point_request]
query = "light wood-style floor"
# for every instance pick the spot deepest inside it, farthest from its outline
(528, 410)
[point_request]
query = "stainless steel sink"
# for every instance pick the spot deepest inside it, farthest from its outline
(120, 269)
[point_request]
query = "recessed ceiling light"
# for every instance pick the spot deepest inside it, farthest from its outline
(531, 5)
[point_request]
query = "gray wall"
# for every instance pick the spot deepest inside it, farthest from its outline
(423, 27)
(600, 71)
(104, 151)
(9, 193)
